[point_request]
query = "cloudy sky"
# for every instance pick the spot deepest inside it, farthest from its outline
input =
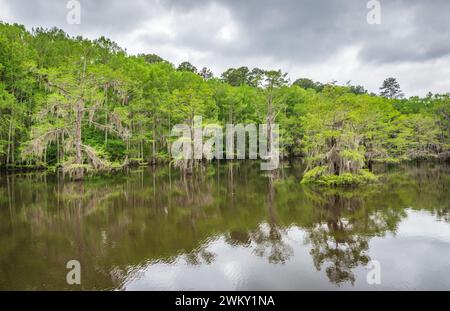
(323, 40)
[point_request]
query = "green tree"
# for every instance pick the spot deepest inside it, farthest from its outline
(391, 89)
(308, 84)
(72, 105)
(206, 73)
(83, 104)
(192, 98)
(187, 66)
(152, 58)
(237, 77)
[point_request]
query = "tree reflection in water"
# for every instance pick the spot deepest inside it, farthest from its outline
(119, 224)
(337, 242)
(268, 237)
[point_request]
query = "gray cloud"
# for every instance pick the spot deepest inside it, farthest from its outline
(323, 39)
(412, 31)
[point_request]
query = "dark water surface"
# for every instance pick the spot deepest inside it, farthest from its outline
(231, 227)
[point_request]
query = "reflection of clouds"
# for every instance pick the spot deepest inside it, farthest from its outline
(232, 270)
(405, 264)
(421, 223)
(181, 275)
(418, 256)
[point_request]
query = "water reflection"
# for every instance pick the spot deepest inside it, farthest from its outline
(337, 241)
(230, 227)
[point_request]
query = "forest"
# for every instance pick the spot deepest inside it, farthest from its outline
(82, 106)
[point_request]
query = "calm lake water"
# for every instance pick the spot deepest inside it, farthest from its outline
(232, 227)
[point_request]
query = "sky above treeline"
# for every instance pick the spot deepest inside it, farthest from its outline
(325, 40)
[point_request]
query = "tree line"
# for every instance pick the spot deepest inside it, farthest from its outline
(86, 105)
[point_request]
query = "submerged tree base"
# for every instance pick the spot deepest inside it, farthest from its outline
(321, 176)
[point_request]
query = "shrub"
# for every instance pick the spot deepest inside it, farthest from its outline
(320, 176)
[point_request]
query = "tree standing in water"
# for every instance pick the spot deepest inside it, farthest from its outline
(76, 101)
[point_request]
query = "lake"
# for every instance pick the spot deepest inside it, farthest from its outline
(229, 227)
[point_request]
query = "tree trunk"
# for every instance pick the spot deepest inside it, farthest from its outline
(190, 161)
(8, 153)
(61, 157)
(13, 144)
(79, 172)
(154, 143)
(169, 145)
(106, 132)
(269, 121)
(78, 159)
(106, 117)
(57, 149)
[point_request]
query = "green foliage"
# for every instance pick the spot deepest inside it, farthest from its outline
(152, 58)
(391, 89)
(243, 76)
(321, 176)
(187, 66)
(306, 83)
(129, 105)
